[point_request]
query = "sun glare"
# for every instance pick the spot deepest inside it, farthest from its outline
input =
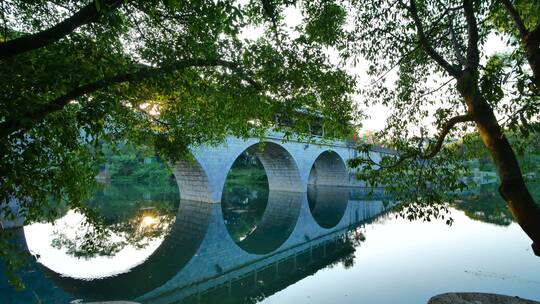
(148, 221)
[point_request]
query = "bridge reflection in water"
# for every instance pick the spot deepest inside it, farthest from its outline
(200, 262)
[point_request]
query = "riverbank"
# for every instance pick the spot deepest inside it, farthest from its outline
(477, 298)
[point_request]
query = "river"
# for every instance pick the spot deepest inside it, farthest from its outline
(261, 246)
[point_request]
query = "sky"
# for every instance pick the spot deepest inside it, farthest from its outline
(40, 236)
(377, 114)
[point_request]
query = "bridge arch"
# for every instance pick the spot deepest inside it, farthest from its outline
(329, 169)
(192, 180)
(280, 166)
(203, 177)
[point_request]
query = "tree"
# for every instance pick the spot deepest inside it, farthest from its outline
(526, 28)
(170, 74)
(434, 44)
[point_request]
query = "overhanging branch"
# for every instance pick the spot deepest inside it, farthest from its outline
(523, 32)
(434, 150)
(36, 115)
(85, 15)
(426, 45)
(447, 127)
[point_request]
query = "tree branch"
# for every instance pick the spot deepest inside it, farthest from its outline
(153, 118)
(473, 55)
(457, 46)
(426, 45)
(34, 116)
(85, 15)
(427, 35)
(436, 89)
(447, 127)
(523, 32)
(530, 40)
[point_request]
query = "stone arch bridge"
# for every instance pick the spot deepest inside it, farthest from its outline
(290, 165)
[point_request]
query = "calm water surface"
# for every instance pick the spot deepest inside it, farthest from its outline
(326, 246)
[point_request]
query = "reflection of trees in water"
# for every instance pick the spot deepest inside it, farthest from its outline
(489, 207)
(117, 216)
(254, 288)
(243, 208)
(118, 201)
(245, 196)
(351, 240)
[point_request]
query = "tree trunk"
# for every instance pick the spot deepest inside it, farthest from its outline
(532, 51)
(512, 188)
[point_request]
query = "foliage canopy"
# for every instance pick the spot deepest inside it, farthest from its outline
(434, 69)
(169, 74)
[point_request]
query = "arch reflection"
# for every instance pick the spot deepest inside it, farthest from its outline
(264, 225)
(327, 204)
(259, 218)
(185, 237)
(186, 275)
